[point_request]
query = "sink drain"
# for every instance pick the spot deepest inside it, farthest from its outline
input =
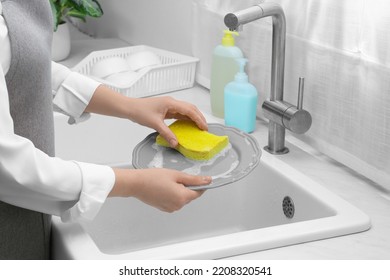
(288, 207)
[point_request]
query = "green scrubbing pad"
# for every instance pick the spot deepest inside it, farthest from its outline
(195, 143)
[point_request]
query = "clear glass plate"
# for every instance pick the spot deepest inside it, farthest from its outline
(232, 164)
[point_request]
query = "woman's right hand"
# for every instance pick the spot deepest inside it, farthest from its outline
(161, 188)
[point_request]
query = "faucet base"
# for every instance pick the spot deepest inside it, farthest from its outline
(283, 151)
(276, 136)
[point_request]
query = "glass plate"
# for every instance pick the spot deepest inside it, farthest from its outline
(232, 164)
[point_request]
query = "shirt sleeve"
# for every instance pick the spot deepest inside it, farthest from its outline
(71, 92)
(31, 179)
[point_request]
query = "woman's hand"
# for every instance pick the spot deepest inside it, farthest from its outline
(164, 189)
(152, 112)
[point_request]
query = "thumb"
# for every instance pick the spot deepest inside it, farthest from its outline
(193, 180)
(167, 134)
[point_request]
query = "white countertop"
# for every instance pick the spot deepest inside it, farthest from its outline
(354, 188)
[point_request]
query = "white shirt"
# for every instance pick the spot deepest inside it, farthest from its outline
(31, 179)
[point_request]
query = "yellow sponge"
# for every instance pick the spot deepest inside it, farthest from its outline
(194, 143)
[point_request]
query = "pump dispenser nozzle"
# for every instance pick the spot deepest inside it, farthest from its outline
(241, 76)
(228, 39)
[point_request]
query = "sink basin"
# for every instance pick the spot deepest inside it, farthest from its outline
(274, 206)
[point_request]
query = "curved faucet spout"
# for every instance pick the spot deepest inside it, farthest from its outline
(235, 20)
(281, 114)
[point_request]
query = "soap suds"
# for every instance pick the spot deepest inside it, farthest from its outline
(157, 161)
(227, 173)
(196, 166)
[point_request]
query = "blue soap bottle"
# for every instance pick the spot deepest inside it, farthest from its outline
(240, 100)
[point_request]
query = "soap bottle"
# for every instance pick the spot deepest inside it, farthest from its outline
(223, 69)
(241, 100)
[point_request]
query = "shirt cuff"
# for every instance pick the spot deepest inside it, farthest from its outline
(97, 182)
(73, 96)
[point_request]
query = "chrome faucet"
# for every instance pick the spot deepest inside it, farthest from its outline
(281, 114)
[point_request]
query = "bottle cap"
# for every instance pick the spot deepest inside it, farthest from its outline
(241, 76)
(228, 39)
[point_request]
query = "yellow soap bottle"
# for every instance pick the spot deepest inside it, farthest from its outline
(223, 69)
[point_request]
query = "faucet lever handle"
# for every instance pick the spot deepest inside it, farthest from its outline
(300, 92)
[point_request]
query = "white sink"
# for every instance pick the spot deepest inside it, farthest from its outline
(243, 217)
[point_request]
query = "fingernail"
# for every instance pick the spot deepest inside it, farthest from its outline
(173, 143)
(207, 179)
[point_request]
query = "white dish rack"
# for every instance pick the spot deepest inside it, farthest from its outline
(175, 72)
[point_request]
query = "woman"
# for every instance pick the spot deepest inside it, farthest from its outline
(32, 180)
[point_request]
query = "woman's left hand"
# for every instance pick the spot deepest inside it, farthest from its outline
(152, 112)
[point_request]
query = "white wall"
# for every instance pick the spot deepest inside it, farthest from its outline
(160, 23)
